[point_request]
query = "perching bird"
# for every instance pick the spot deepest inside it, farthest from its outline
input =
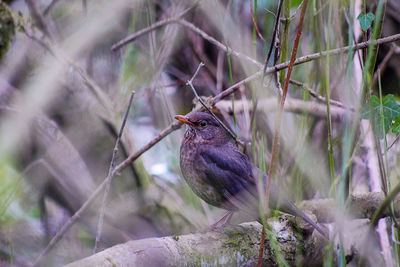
(219, 173)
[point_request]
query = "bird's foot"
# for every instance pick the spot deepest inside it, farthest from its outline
(222, 222)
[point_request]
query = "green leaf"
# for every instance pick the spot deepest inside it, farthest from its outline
(396, 126)
(383, 115)
(295, 3)
(366, 20)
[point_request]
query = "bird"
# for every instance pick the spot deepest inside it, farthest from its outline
(220, 174)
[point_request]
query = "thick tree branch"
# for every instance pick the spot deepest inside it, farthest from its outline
(361, 205)
(232, 246)
(238, 245)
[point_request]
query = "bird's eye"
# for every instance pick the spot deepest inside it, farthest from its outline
(203, 124)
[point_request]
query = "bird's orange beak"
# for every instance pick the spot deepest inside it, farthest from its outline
(184, 120)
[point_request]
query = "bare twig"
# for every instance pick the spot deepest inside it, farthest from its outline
(294, 13)
(111, 174)
(270, 12)
(336, 51)
(319, 97)
(212, 40)
(235, 87)
(305, 59)
(293, 105)
(254, 21)
(172, 127)
(190, 83)
(395, 140)
(144, 31)
(274, 35)
(278, 67)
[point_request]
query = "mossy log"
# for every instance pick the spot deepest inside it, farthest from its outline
(239, 245)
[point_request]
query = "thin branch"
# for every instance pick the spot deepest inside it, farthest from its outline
(319, 97)
(153, 27)
(294, 13)
(218, 44)
(274, 35)
(110, 174)
(270, 12)
(395, 140)
(336, 51)
(292, 105)
(235, 87)
(304, 59)
(190, 83)
(278, 67)
(172, 127)
(254, 21)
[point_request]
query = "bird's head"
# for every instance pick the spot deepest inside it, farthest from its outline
(203, 126)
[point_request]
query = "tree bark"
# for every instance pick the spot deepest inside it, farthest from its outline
(231, 246)
(239, 245)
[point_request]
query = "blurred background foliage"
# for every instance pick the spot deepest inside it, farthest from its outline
(63, 92)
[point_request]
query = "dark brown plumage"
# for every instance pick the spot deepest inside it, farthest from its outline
(220, 174)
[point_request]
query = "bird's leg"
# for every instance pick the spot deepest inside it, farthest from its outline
(223, 221)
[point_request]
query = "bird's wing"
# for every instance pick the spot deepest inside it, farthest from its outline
(233, 175)
(230, 172)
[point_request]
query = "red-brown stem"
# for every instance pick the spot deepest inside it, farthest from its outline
(255, 22)
(260, 254)
(280, 112)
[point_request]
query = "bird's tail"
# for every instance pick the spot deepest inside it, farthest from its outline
(292, 209)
